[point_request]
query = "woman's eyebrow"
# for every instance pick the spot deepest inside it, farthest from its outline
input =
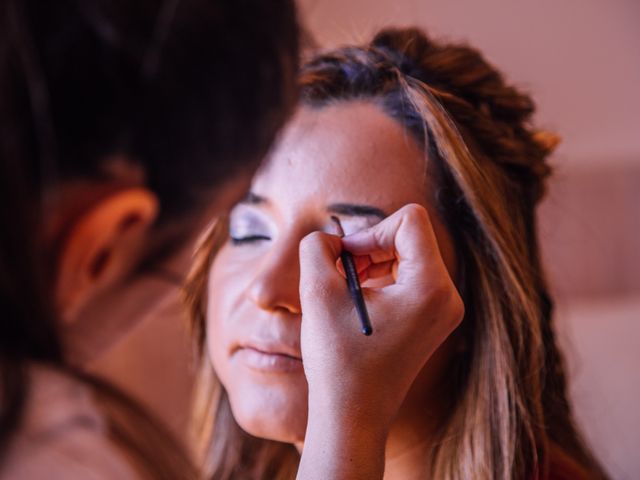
(253, 199)
(354, 210)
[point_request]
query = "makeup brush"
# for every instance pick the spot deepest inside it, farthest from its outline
(354, 284)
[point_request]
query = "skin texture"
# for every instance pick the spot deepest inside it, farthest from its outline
(363, 396)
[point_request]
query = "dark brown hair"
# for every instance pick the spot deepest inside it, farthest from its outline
(189, 91)
(510, 416)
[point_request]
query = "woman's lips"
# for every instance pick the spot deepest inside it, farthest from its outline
(268, 361)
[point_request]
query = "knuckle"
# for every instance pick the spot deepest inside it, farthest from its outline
(416, 213)
(379, 236)
(416, 217)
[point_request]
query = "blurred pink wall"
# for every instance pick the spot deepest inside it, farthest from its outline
(581, 58)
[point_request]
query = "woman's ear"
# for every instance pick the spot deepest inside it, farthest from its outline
(102, 247)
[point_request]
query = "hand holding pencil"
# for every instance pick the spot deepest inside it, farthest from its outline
(357, 382)
(355, 289)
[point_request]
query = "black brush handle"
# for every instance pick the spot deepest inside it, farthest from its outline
(356, 292)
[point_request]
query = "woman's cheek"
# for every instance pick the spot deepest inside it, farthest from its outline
(219, 308)
(228, 280)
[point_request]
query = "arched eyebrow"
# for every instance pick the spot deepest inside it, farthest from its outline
(347, 209)
(354, 210)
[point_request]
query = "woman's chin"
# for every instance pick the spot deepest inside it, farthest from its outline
(271, 421)
(269, 430)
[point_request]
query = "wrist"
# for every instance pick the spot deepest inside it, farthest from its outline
(338, 446)
(347, 425)
(364, 411)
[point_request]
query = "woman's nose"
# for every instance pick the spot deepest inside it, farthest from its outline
(276, 285)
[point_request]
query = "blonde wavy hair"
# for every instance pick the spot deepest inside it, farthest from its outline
(510, 417)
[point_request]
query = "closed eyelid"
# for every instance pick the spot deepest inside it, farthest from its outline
(245, 208)
(353, 224)
(248, 221)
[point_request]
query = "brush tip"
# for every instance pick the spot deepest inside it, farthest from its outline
(336, 220)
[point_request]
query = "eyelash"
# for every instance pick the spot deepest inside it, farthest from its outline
(249, 239)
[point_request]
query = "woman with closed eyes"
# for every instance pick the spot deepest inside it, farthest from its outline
(428, 158)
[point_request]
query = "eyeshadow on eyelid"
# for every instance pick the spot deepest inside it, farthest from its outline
(246, 223)
(352, 225)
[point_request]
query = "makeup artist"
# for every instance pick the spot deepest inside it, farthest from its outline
(123, 126)
(429, 159)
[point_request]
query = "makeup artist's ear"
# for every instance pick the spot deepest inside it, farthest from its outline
(102, 247)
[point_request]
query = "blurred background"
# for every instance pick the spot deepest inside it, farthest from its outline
(581, 61)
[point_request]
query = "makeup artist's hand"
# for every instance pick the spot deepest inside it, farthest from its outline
(357, 383)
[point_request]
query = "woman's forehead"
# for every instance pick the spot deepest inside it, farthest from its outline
(346, 152)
